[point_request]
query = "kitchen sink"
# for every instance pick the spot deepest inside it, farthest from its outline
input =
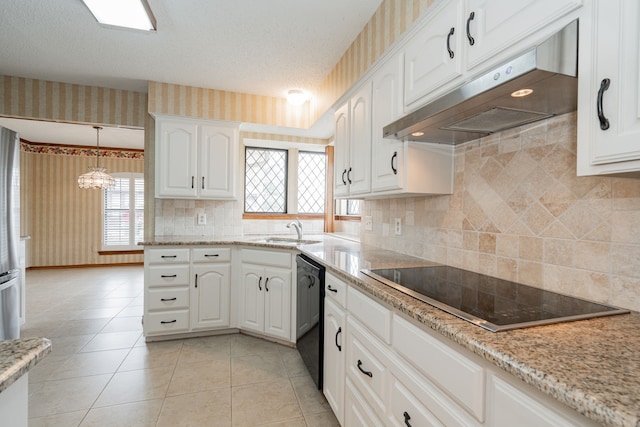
(287, 241)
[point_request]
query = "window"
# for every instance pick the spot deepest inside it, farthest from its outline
(348, 208)
(123, 213)
(311, 182)
(265, 180)
(268, 189)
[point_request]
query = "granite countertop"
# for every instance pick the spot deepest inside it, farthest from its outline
(17, 357)
(593, 366)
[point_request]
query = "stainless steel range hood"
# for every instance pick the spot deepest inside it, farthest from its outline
(485, 105)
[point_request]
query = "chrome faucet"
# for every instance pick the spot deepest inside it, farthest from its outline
(298, 226)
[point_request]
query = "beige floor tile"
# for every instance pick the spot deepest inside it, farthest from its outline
(245, 345)
(209, 348)
(123, 324)
(208, 408)
(134, 386)
(200, 376)
(79, 327)
(98, 313)
(152, 355)
(110, 303)
(256, 369)
(68, 345)
(310, 399)
(112, 341)
(85, 364)
(297, 422)
(325, 419)
(293, 363)
(138, 414)
(131, 311)
(57, 397)
(69, 419)
(264, 403)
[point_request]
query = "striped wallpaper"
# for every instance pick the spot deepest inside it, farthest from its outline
(64, 222)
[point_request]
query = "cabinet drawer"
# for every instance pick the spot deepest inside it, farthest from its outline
(166, 256)
(407, 408)
(166, 322)
(167, 299)
(167, 275)
(356, 412)
(370, 313)
(366, 366)
(277, 259)
(335, 289)
(446, 367)
(213, 254)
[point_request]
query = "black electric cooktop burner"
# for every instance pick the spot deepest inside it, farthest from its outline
(489, 302)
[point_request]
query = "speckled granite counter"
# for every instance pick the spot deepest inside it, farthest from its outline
(593, 366)
(17, 357)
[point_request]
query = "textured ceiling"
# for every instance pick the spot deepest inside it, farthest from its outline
(262, 47)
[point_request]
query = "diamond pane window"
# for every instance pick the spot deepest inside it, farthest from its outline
(353, 207)
(311, 182)
(123, 213)
(265, 180)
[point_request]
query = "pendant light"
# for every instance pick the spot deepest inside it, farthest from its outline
(96, 178)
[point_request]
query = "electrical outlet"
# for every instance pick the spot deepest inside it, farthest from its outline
(398, 226)
(368, 223)
(202, 218)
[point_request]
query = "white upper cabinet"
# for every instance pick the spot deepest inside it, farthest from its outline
(433, 57)
(195, 159)
(460, 39)
(609, 89)
(352, 135)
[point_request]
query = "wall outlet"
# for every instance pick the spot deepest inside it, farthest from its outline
(202, 218)
(368, 223)
(397, 226)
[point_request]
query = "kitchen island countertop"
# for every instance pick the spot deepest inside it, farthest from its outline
(592, 366)
(18, 356)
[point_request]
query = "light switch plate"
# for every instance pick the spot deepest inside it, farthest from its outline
(202, 218)
(368, 223)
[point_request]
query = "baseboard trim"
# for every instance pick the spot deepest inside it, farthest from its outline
(48, 267)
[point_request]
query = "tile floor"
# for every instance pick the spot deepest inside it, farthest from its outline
(102, 373)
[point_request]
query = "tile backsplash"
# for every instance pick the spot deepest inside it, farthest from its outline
(519, 212)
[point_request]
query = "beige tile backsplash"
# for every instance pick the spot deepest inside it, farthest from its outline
(519, 212)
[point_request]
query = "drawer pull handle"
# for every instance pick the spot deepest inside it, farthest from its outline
(266, 282)
(203, 182)
(406, 419)
(169, 276)
(312, 281)
(472, 41)
(393, 168)
(451, 54)
(168, 299)
(349, 176)
(164, 322)
(604, 122)
(330, 289)
(196, 280)
(192, 181)
(168, 256)
(211, 255)
(259, 283)
(338, 333)
(343, 180)
(367, 373)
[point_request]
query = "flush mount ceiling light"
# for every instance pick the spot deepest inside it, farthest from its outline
(417, 133)
(296, 97)
(521, 93)
(134, 14)
(96, 179)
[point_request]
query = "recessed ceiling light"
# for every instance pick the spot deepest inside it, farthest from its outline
(134, 14)
(297, 97)
(417, 134)
(522, 92)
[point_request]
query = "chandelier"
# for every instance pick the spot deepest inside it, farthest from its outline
(96, 178)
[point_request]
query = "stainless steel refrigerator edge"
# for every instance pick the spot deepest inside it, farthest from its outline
(9, 234)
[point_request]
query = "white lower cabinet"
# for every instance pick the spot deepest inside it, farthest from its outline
(356, 411)
(265, 293)
(334, 356)
(211, 288)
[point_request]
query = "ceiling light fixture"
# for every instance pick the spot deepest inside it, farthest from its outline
(296, 97)
(417, 133)
(521, 93)
(97, 179)
(135, 14)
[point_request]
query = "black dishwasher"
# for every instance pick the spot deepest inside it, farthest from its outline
(310, 315)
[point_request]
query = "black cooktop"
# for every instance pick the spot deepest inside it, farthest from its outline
(489, 302)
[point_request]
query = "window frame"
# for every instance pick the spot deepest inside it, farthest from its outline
(298, 180)
(133, 245)
(286, 181)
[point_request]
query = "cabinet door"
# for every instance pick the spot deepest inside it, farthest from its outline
(387, 166)
(176, 159)
(498, 24)
(277, 302)
(359, 171)
(334, 357)
(252, 298)
(616, 53)
(217, 159)
(428, 61)
(341, 151)
(356, 411)
(210, 296)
